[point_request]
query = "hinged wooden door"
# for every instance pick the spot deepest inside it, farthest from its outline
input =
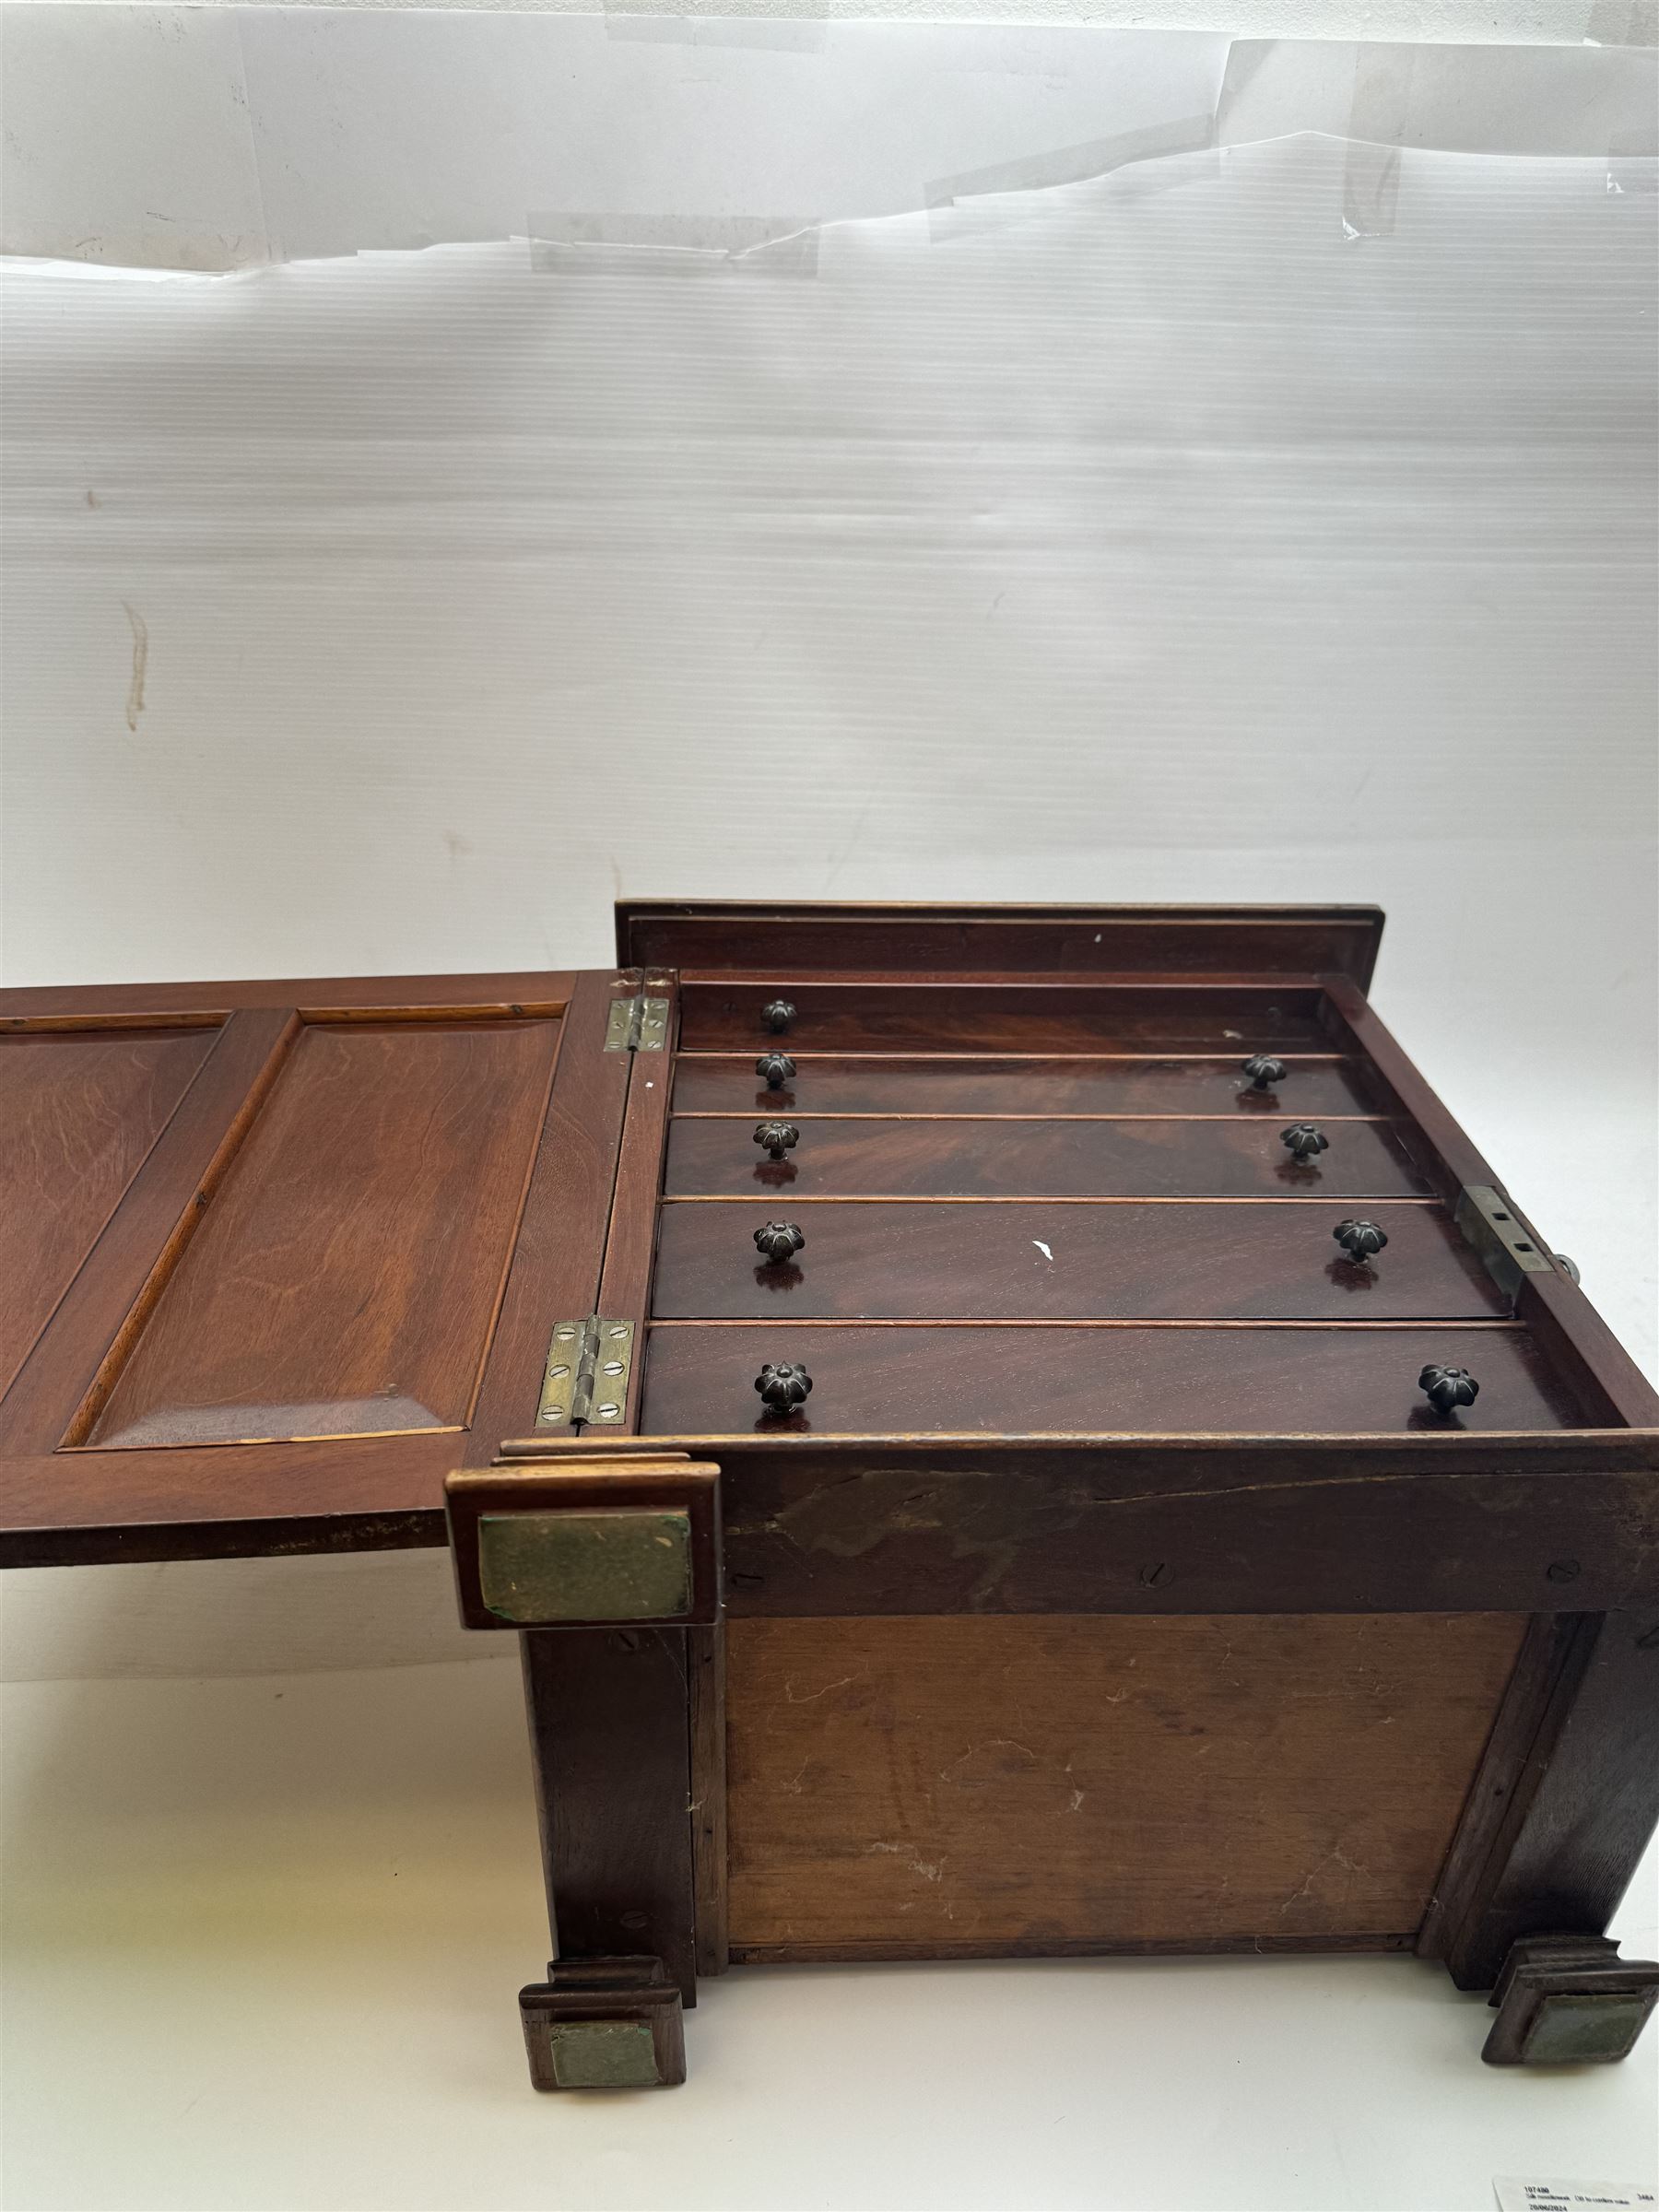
(282, 1254)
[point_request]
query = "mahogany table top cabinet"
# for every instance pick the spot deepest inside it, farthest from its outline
(1000, 1431)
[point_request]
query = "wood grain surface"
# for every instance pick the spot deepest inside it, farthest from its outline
(1025, 1087)
(79, 1110)
(1258, 1379)
(1052, 1262)
(945, 1015)
(346, 1279)
(758, 936)
(953, 1159)
(1040, 1783)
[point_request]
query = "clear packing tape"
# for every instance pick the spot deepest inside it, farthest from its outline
(214, 139)
(1159, 517)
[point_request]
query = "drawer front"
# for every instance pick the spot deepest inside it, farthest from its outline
(1000, 1017)
(823, 1083)
(1105, 1381)
(946, 1158)
(1022, 1262)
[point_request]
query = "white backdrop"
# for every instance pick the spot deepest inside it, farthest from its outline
(1258, 513)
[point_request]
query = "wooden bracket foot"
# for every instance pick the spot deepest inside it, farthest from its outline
(1569, 2001)
(603, 2024)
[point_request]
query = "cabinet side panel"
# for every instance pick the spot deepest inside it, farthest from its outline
(79, 1110)
(347, 1278)
(944, 1786)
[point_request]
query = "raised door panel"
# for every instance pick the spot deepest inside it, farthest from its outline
(1258, 1379)
(947, 1158)
(80, 1110)
(996, 1262)
(335, 1273)
(346, 1277)
(1022, 1087)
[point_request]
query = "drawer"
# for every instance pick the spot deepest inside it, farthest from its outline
(1248, 1381)
(903, 1083)
(1099, 1017)
(1021, 1262)
(948, 1158)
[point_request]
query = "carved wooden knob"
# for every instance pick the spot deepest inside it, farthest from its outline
(1304, 1143)
(777, 1137)
(1360, 1241)
(783, 1385)
(777, 1067)
(779, 1240)
(1265, 1073)
(1446, 1388)
(777, 1014)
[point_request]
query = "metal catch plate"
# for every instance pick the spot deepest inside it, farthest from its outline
(586, 1376)
(1490, 1226)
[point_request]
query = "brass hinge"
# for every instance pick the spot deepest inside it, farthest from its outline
(637, 1025)
(1506, 1244)
(586, 1374)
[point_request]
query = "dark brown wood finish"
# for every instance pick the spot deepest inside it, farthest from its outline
(1548, 1670)
(706, 1668)
(1041, 1015)
(1569, 1328)
(561, 1238)
(80, 1111)
(61, 1388)
(625, 1284)
(506, 992)
(1426, 1521)
(611, 1744)
(454, 1202)
(943, 1157)
(1106, 1380)
(1059, 1262)
(756, 936)
(1314, 1087)
(392, 1155)
(1578, 1815)
(1066, 1368)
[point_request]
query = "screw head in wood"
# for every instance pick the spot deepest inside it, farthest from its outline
(777, 1137)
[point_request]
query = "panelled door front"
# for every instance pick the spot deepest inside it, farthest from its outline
(283, 1255)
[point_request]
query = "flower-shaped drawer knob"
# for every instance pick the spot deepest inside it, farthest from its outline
(1360, 1241)
(777, 1137)
(1304, 1143)
(783, 1385)
(778, 1242)
(777, 1068)
(1265, 1073)
(777, 1014)
(1447, 1388)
